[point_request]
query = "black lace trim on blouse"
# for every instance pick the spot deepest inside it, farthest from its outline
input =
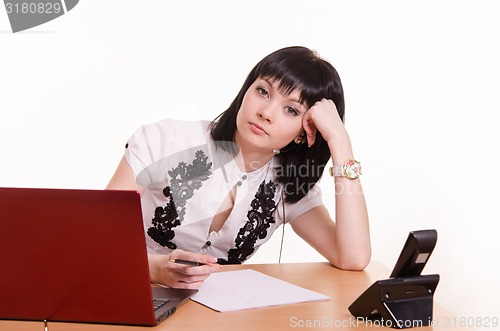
(185, 180)
(260, 217)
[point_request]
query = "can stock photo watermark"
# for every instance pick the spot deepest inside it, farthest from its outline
(25, 14)
(329, 322)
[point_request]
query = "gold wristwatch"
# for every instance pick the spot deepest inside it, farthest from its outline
(350, 169)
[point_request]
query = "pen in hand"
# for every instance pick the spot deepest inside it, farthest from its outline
(186, 262)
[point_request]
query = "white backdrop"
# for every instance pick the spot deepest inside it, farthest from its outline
(421, 85)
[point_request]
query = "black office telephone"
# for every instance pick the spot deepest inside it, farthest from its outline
(404, 300)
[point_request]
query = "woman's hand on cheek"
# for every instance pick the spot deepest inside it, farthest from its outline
(323, 117)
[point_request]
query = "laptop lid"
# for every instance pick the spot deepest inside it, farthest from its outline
(77, 256)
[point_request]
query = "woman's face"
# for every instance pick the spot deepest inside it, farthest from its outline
(268, 119)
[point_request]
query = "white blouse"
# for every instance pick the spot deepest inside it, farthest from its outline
(186, 179)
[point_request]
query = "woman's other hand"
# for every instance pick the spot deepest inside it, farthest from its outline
(323, 117)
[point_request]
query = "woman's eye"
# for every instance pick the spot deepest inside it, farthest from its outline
(262, 91)
(292, 111)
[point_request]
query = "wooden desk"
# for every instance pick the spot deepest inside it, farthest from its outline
(342, 286)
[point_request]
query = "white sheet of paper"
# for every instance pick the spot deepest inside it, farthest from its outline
(246, 289)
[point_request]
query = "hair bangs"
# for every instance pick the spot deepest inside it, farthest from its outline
(304, 71)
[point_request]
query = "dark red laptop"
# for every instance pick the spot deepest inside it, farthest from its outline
(77, 256)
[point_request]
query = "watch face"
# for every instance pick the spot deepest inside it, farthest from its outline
(352, 169)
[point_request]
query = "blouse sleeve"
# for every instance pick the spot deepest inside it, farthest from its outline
(136, 151)
(150, 149)
(312, 199)
(147, 147)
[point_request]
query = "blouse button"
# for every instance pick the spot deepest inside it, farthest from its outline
(239, 183)
(208, 243)
(244, 177)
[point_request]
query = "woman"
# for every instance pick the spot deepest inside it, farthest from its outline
(214, 192)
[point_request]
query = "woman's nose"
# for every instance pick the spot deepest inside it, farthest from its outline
(266, 113)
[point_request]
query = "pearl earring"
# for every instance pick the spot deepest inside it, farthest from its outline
(298, 139)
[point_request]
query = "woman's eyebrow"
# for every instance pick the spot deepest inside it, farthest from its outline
(268, 82)
(298, 101)
(272, 84)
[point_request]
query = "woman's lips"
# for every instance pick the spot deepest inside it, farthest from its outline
(257, 129)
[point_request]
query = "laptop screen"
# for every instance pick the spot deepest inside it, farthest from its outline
(73, 255)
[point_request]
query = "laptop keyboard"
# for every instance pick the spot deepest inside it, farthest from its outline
(158, 303)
